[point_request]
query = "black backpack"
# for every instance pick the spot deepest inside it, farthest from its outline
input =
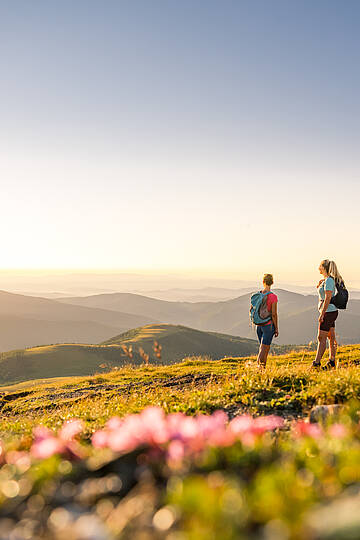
(341, 297)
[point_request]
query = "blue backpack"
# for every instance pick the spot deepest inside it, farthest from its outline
(259, 313)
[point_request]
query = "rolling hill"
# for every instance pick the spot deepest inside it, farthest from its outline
(67, 360)
(21, 332)
(180, 341)
(26, 321)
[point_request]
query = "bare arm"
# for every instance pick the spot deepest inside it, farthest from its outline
(274, 315)
(328, 295)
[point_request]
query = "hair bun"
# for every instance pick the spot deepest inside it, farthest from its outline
(268, 279)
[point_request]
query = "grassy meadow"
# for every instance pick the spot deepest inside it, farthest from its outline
(270, 482)
(288, 386)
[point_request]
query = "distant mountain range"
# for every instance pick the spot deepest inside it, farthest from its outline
(205, 294)
(298, 314)
(172, 286)
(26, 321)
(180, 294)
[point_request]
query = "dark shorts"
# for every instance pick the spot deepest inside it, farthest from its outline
(265, 333)
(329, 320)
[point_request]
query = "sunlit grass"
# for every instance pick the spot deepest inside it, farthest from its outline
(288, 386)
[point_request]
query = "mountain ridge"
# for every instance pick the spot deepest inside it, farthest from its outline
(231, 316)
(28, 321)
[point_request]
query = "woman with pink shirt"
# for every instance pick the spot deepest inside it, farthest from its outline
(268, 330)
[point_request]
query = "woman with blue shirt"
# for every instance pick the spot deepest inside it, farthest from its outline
(328, 312)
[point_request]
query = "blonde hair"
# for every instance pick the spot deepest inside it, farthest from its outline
(332, 270)
(268, 279)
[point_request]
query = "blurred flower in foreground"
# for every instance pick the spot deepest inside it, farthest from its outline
(179, 435)
(46, 443)
(308, 430)
(338, 431)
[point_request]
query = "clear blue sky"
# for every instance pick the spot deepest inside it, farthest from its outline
(199, 135)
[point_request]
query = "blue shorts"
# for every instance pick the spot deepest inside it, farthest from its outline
(265, 333)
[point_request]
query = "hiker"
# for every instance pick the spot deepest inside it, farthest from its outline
(332, 296)
(263, 313)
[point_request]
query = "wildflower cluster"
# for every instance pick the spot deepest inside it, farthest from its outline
(178, 435)
(46, 443)
(202, 476)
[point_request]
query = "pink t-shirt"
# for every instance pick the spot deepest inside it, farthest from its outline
(270, 300)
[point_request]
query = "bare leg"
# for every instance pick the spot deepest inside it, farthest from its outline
(322, 337)
(263, 354)
(333, 344)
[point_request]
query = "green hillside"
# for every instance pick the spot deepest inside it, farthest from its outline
(179, 341)
(288, 387)
(57, 361)
(67, 360)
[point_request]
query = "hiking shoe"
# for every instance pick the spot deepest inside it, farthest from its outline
(330, 365)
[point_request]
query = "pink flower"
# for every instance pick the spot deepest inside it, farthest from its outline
(42, 433)
(308, 430)
(122, 440)
(222, 438)
(100, 439)
(175, 453)
(121, 435)
(187, 428)
(147, 428)
(174, 421)
(134, 429)
(214, 429)
(70, 429)
(339, 431)
(179, 435)
(47, 444)
(47, 447)
(114, 423)
(247, 428)
(154, 425)
(267, 423)
(241, 424)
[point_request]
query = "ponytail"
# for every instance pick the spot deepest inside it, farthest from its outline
(332, 270)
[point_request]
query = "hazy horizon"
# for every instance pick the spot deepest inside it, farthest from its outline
(165, 285)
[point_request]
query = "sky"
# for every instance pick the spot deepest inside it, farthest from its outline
(199, 137)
